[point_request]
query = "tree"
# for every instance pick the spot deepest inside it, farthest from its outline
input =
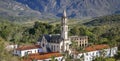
(103, 41)
(111, 44)
(109, 59)
(74, 47)
(117, 56)
(99, 59)
(74, 31)
(53, 58)
(4, 54)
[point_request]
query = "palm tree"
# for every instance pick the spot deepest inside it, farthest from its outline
(74, 48)
(66, 56)
(111, 44)
(63, 54)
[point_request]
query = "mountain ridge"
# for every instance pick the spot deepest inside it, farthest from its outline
(13, 10)
(112, 20)
(44, 9)
(75, 8)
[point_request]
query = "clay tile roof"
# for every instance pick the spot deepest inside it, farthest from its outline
(28, 47)
(96, 47)
(42, 56)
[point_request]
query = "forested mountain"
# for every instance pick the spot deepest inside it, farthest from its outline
(75, 8)
(106, 28)
(113, 20)
(22, 10)
(14, 11)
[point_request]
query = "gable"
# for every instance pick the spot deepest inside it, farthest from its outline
(43, 40)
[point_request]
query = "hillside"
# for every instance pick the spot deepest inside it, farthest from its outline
(16, 11)
(105, 20)
(26, 10)
(75, 8)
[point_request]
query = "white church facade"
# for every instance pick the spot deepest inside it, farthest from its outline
(61, 42)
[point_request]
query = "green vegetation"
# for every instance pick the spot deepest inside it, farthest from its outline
(4, 54)
(104, 30)
(103, 59)
(112, 20)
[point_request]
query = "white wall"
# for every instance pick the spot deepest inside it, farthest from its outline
(11, 47)
(23, 52)
(17, 52)
(89, 56)
(54, 47)
(66, 45)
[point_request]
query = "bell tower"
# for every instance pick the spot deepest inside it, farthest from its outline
(64, 26)
(64, 45)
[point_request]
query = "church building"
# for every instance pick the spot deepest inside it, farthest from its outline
(61, 42)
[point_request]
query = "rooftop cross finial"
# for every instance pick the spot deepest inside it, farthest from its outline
(64, 13)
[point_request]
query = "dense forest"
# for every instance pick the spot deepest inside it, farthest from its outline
(103, 30)
(105, 20)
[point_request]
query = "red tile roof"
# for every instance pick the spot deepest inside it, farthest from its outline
(28, 47)
(96, 47)
(42, 56)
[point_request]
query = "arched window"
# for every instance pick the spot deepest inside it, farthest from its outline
(43, 45)
(54, 48)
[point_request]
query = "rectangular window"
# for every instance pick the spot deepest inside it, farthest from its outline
(54, 48)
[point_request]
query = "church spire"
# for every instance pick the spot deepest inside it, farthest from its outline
(64, 13)
(64, 32)
(64, 26)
